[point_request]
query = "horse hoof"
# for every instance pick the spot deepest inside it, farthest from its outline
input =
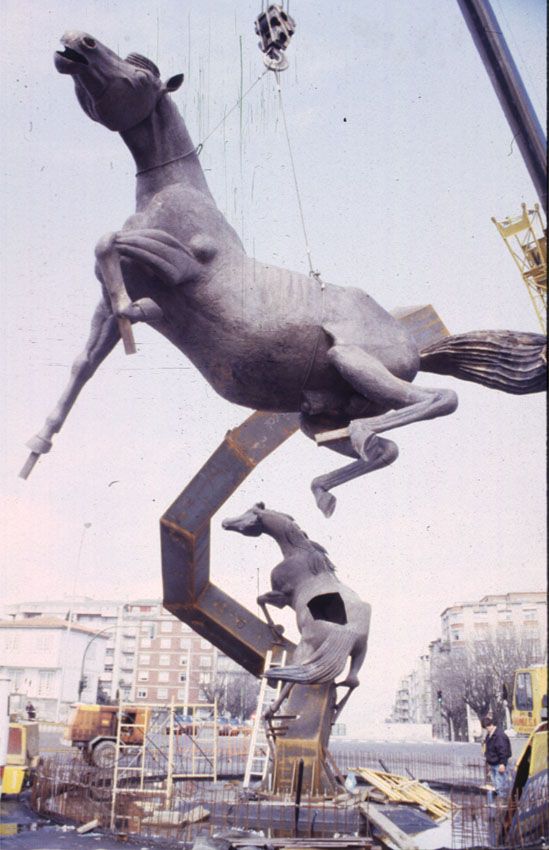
(326, 502)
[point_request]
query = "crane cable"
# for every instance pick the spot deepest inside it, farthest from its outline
(312, 272)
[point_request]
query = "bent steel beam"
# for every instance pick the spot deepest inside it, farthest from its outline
(193, 598)
(185, 538)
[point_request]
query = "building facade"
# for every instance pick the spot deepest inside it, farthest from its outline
(524, 614)
(172, 662)
(43, 657)
(149, 655)
(413, 697)
(120, 638)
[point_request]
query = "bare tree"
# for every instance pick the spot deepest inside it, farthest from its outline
(235, 692)
(241, 694)
(480, 673)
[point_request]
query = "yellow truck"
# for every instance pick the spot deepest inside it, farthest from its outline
(93, 730)
(22, 756)
(529, 707)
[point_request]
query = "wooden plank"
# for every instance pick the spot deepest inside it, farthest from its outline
(392, 835)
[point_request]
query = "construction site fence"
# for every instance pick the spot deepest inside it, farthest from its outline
(74, 792)
(432, 767)
(70, 790)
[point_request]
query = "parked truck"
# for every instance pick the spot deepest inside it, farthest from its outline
(93, 730)
(22, 756)
(529, 699)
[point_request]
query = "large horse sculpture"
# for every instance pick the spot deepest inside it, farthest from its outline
(263, 337)
(332, 619)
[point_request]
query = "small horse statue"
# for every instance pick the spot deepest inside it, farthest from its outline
(332, 620)
(263, 337)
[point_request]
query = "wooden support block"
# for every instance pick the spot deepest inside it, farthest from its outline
(326, 436)
(29, 465)
(126, 332)
(87, 827)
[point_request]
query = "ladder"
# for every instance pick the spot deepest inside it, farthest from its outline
(259, 752)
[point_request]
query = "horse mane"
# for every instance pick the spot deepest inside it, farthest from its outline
(318, 559)
(142, 62)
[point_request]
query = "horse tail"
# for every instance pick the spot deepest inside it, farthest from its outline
(324, 665)
(511, 361)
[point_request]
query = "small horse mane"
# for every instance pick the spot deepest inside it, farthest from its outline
(318, 557)
(141, 61)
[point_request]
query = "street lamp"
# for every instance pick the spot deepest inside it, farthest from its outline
(69, 618)
(81, 682)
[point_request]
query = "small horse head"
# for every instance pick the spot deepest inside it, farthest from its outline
(118, 93)
(249, 523)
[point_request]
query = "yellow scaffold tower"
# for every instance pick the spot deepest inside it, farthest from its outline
(526, 239)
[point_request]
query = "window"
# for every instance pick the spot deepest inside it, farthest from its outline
(182, 677)
(162, 693)
(205, 661)
(145, 643)
(523, 692)
(164, 660)
(144, 660)
(11, 641)
(43, 642)
(183, 660)
(46, 680)
(205, 644)
(204, 678)
(166, 643)
(181, 693)
(142, 693)
(530, 614)
(185, 643)
(166, 626)
(142, 675)
(163, 676)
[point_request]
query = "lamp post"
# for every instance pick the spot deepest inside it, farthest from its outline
(66, 636)
(81, 682)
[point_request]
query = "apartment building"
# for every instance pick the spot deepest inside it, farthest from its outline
(43, 658)
(172, 661)
(106, 616)
(413, 697)
(148, 654)
(524, 614)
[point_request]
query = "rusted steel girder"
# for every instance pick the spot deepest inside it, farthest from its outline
(190, 595)
(185, 535)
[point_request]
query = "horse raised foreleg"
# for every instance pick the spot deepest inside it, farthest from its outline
(163, 255)
(104, 335)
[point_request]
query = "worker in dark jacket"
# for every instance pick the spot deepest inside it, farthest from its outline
(497, 752)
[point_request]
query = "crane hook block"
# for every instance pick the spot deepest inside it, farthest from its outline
(275, 28)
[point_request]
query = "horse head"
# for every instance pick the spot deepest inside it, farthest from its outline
(118, 93)
(249, 523)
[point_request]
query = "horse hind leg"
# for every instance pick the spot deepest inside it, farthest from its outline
(405, 403)
(382, 454)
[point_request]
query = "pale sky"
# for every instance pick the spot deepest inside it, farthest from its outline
(403, 155)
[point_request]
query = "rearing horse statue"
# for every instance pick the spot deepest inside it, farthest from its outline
(263, 337)
(332, 619)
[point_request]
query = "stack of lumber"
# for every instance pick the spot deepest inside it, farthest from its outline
(400, 789)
